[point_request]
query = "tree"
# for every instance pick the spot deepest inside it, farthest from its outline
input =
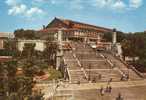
(50, 52)
(29, 68)
(134, 45)
(54, 74)
(120, 36)
(28, 50)
(108, 37)
(25, 34)
(13, 66)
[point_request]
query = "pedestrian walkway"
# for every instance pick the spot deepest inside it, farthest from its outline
(104, 84)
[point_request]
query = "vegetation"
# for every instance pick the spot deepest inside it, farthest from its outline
(25, 34)
(31, 34)
(108, 36)
(12, 86)
(5, 53)
(32, 63)
(10, 49)
(54, 74)
(28, 50)
(133, 45)
(50, 53)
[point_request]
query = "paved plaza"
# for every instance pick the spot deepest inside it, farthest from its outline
(129, 93)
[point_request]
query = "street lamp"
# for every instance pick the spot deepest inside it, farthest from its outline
(89, 77)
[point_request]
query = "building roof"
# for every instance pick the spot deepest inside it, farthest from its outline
(83, 25)
(6, 35)
(69, 24)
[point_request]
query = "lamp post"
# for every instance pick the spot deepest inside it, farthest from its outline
(114, 36)
(89, 77)
(114, 41)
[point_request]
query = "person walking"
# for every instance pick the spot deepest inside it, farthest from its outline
(101, 91)
(119, 97)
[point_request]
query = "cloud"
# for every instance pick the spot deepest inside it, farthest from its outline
(49, 1)
(32, 11)
(30, 8)
(112, 4)
(120, 5)
(12, 2)
(117, 4)
(136, 3)
(39, 0)
(99, 3)
(18, 8)
(76, 4)
(108, 4)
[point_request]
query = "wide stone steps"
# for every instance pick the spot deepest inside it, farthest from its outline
(117, 63)
(72, 65)
(68, 55)
(104, 75)
(95, 64)
(83, 57)
(78, 76)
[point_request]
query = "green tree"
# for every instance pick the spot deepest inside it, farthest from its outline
(50, 52)
(28, 50)
(120, 36)
(25, 34)
(134, 45)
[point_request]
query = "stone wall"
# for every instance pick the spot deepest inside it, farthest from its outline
(40, 44)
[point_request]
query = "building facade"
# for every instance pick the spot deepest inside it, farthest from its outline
(71, 30)
(75, 30)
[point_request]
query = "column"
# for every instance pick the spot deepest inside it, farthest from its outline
(99, 38)
(59, 51)
(114, 36)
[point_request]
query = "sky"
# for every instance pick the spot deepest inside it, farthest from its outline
(124, 15)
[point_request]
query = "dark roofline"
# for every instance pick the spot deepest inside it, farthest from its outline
(94, 26)
(53, 21)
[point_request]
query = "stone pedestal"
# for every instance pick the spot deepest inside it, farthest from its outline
(59, 51)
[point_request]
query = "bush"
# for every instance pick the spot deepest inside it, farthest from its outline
(54, 74)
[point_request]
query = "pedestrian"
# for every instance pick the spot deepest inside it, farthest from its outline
(99, 76)
(101, 91)
(127, 76)
(122, 77)
(119, 97)
(78, 82)
(107, 89)
(57, 86)
(94, 80)
(110, 80)
(110, 89)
